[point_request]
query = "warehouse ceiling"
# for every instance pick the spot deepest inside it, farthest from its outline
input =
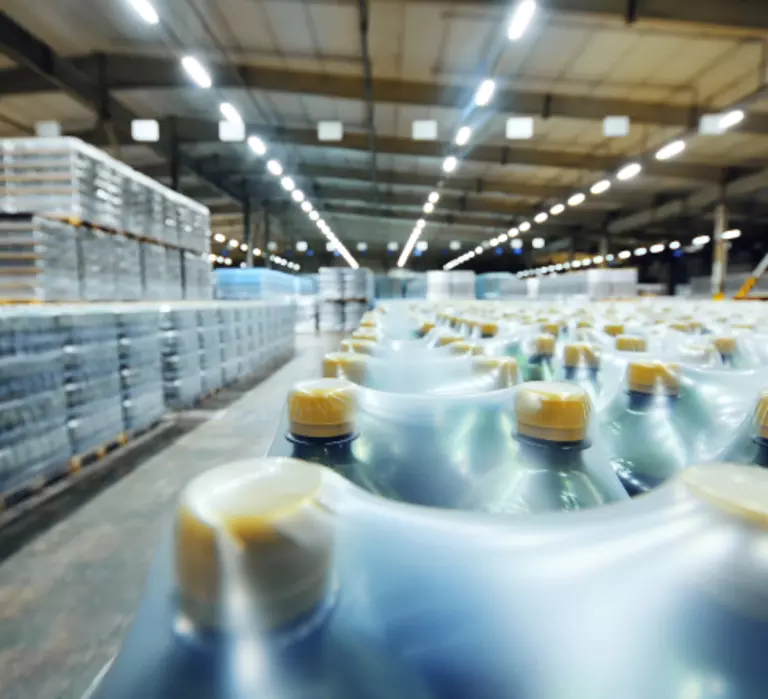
(377, 66)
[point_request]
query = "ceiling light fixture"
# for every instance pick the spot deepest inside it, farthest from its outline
(524, 227)
(298, 196)
(275, 168)
(521, 18)
(557, 209)
(313, 215)
(429, 207)
(639, 252)
(629, 171)
(196, 71)
(463, 135)
(576, 199)
(540, 217)
(670, 150)
(230, 113)
(450, 164)
(625, 254)
(731, 119)
(484, 93)
(288, 184)
(306, 206)
(656, 249)
(700, 240)
(600, 187)
(674, 245)
(257, 145)
(146, 11)
(538, 243)
(732, 234)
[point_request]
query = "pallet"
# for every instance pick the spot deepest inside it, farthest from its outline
(60, 477)
(98, 453)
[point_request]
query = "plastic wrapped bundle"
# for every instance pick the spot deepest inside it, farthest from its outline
(353, 313)
(128, 282)
(173, 275)
(209, 338)
(97, 254)
(197, 276)
(92, 373)
(331, 283)
(288, 560)
(34, 442)
(331, 316)
(141, 380)
(182, 381)
(154, 266)
(38, 259)
(170, 218)
(229, 358)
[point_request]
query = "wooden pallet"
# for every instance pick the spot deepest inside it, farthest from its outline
(98, 453)
(34, 486)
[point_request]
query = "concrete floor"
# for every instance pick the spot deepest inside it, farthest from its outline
(68, 595)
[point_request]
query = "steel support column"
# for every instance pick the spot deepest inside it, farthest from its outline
(719, 252)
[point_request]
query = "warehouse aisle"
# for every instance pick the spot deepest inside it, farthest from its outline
(68, 596)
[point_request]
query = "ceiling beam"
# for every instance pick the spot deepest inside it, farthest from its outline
(744, 16)
(37, 57)
(205, 132)
(692, 204)
(137, 72)
(521, 188)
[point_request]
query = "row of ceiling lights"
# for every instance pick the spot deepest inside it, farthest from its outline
(624, 174)
(521, 18)
(243, 247)
(202, 78)
(698, 242)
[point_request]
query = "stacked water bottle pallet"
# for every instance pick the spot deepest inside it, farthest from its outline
(345, 294)
(77, 382)
(112, 228)
(450, 285)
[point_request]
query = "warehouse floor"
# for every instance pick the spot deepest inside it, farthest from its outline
(68, 595)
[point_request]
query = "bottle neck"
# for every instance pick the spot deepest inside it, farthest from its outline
(573, 373)
(559, 455)
(761, 458)
(321, 449)
(645, 401)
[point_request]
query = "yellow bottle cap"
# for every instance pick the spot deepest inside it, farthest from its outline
(557, 412)
(322, 408)
(254, 528)
(504, 367)
(726, 345)
(743, 326)
(488, 329)
(652, 377)
(613, 329)
(681, 326)
(577, 354)
(444, 340)
(629, 343)
(427, 327)
(345, 365)
(466, 348)
(735, 488)
(359, 346)
(761, 415)
(584, 324)
(367, 336)
(544, 345)
(550, 328)
(368, 320)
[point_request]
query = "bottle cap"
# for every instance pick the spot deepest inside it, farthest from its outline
(743, 326)
(253, 538)
(652, 377)
(466, 348)
(726, 345)
(735, 488)
(761, 415)
(426, 327)
(345, 365)
(557, 412)
(359, 346)
(577, 354)
(488, 329)
(444, 340)
(629, 343)
(544, 345)
(681, 326)
(506, 368)
(322, 408)
(368, 320)
(613, 329)
(550, 328)
(584, 324)
(365, 335)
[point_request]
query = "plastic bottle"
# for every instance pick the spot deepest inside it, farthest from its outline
(751, 446)
(255, 591)
(581, 365)
(466, 348)
(538, 366)
(613, 329)
(505, 369)
(359, 346)
(726, 348)
(548, 471)
(644, 431)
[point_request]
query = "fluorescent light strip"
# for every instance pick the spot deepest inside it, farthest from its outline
(146, 11)
(196, 71)
(521, 18)
(230, 113)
